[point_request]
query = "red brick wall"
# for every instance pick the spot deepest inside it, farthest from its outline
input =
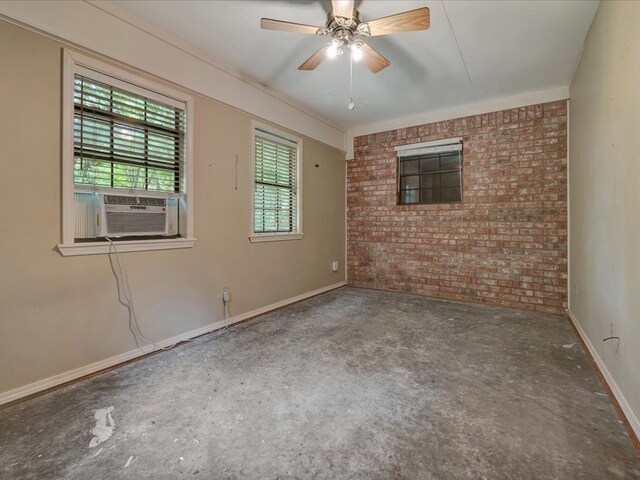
(505, 245)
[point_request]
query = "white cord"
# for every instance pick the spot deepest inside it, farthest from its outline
(124, 290)
(351, 76)
(351, 105)
(225, 315)
(464, 63)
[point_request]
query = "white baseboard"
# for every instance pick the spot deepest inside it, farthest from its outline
(624, 405)
(41, 385)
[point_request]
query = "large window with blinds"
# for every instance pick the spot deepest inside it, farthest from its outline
(126, 160)
(125, 140)
(276, 183)
(430, 172)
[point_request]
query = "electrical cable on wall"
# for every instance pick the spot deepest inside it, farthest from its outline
(460, 178)
(125, 291)
(475, 97)
(225, 310)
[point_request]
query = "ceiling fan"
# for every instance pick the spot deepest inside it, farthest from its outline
(344, 27)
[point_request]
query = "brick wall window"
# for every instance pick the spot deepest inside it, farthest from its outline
(430, 172)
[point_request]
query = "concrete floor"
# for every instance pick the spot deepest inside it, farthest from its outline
(354, 384)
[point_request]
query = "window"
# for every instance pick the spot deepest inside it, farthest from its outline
(125, 143)
(430, 172)
(124, 140)
(276, 196)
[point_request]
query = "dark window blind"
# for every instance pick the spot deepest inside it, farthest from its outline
(275, 192)
(125, 140)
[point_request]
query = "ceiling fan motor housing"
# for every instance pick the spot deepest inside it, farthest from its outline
(343, 29)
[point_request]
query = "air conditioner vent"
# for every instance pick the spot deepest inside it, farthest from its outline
(120, 200)
(158, 202)
(135, 223)
(122, 215)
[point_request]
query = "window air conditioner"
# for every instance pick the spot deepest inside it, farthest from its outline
(124, 215)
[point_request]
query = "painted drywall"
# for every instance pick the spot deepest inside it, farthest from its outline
(61, 313)
(604, 195)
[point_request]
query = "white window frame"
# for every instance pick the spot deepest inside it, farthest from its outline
(278, 136)
(76, 63)
(436, 146)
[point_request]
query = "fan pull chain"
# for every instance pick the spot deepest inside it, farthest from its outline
(351, 105)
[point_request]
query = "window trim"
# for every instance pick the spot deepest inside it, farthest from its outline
(274, 237)
(74, 62)
(428, 148)
(411, 148)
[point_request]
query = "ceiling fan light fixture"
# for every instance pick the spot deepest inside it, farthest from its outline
(356, 52)
(332, 49)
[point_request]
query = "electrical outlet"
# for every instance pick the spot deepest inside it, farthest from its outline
(335, 265)
(225, 293)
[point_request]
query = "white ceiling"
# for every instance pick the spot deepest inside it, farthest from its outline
(509, 48)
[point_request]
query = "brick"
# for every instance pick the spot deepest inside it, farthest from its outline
(506, 245)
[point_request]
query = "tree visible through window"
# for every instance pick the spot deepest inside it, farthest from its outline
(123, 140)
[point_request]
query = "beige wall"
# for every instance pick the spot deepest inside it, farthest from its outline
(58, 314)
(605, 194)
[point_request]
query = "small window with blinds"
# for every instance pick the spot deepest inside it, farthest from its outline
(275, 194)
(430, 172)
(126, 160)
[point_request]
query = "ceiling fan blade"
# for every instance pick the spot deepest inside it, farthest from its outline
(402, 22)
(342, 8)
(271, 24)
(314, 60)
(374, 61)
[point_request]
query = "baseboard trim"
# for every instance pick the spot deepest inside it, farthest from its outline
(629, 414)
(66, 377)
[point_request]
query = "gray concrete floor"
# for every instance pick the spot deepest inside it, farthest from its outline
(355, 384)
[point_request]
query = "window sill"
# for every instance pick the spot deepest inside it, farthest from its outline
(274, 237)
(94, 248)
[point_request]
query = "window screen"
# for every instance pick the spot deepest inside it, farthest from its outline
(430, 177)
(125, 140)
(275, 193)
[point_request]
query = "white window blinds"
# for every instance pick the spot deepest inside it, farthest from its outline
(275, 194)
(124, 140)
